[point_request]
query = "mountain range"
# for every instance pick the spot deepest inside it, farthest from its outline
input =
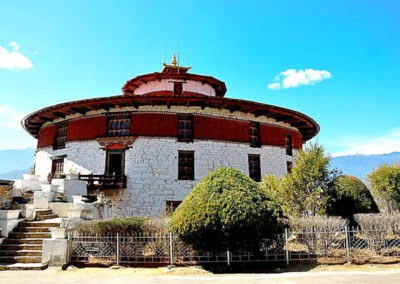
(13, 163)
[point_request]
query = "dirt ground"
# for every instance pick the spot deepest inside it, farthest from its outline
(321, 274)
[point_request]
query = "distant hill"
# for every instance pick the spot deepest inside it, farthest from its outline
(361, 165)
(15, 162)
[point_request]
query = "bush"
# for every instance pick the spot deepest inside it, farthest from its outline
(349, 196)
(226, 210)
(116, 225)
(388, 222)
(317, 224)
(385, 187)
(303, 192)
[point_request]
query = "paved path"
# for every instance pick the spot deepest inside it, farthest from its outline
(109, 276)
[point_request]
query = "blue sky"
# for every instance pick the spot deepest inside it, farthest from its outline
(56, 51)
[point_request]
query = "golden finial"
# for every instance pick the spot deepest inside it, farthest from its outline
(173, 61)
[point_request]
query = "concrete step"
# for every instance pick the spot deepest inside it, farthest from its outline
(22, 266)
(29, 235)
(21, 247)
(38, 224)
(31, 230)
(20, 253)
(20, 259)
(46, 217)
(29, 241)
(41, 212)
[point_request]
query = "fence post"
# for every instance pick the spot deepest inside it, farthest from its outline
(347, 245)
(286, 247)
(69, 247)
(228, 257)
(118, 252)
(171, 250)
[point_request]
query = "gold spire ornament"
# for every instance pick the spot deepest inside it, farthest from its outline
(173, 61)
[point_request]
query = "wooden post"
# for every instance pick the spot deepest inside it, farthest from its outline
(286, 246)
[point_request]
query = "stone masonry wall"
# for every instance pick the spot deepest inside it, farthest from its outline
(151, 166)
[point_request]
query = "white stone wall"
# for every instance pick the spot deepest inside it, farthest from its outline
(168, 85)
(151, 166)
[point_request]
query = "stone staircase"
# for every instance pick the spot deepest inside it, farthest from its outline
(23, 247)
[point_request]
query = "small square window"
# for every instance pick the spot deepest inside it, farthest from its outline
(254, 134)
(254, 167)
(171, 206)
(185, 128)
(288, 145)
(61, 136)
(119, 125)
(289, 166)
(178, 89)
(186, 165)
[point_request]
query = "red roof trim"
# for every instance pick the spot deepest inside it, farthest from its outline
(306, 125)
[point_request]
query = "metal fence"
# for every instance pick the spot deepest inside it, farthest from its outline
(338, 245)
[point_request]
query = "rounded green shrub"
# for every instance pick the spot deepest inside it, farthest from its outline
(349, 196)
(225, 210)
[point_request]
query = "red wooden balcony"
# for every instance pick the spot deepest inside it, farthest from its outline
(102, 182)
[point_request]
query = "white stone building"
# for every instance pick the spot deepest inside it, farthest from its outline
(165, 133)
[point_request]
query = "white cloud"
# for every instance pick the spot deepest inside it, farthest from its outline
(384, 144)
(13, 59)
(293, 78)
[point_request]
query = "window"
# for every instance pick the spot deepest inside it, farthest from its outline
(289, 166)
(119, 125)
(171, 206)
(288, 143)
(186, 165)
(57, 167)
(115, 162)
(185, 128)
(178, 89)
(61, 136)
(254, 167)
(254, 134)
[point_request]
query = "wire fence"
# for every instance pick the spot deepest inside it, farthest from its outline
(332, 246)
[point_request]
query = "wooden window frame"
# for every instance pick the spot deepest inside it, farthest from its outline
(254, 134)
(110, 152)
(255, 172)
(113, 131)
(60, 137)
(289, 166)
(57, 166)
(178, 88)
(185, 134)
(171, 205)
(288, 145)
(185, 165)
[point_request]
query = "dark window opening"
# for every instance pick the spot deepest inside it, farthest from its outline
(61, 136)
(115, 163)
(178, 89)
(171, 206)
(186, 165)
(185, 128)
(288, 144)
(254, 134)
(57, 167)
(289, 166)
(119, 126)
(254, 167)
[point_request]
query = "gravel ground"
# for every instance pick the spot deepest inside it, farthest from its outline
(323, 274)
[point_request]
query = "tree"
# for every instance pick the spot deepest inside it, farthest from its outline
(348, 195)
(385, 187)
(304, 192)
(225, 210)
